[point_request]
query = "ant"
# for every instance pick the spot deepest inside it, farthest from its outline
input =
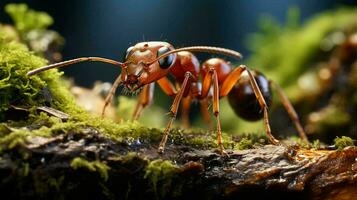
(147, 63)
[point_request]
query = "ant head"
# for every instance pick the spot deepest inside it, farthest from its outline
(140, 67)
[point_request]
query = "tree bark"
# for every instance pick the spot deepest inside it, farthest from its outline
(43, 168)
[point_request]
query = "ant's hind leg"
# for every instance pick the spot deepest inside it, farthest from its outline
(263, 105)
(145, 99)
(232, 79)
(290, 110)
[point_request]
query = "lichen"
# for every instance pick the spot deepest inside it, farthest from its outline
(342, 142)
(159, 173)
(94, 166)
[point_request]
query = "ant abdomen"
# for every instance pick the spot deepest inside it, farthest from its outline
(243, 100)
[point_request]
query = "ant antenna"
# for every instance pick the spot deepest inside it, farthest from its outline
(207, 49)
(74, 61)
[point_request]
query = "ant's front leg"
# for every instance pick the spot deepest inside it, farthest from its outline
(109, 98)
(145, 99)
(166, 86)
(146, 96)
(173, 110)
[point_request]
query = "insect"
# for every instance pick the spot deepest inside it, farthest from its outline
(148, 63)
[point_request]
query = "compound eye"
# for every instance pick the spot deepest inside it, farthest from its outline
(167, 61)
(126, 55)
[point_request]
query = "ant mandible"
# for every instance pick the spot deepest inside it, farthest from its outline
(147, 63)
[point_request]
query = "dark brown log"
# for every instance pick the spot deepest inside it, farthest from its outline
(41, 169)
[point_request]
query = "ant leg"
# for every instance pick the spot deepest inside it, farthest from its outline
(216, 110)
(263, 105)
(185, 110)
(166, 86)
(204, 111)
(173, 111)
(290, 110)
(231, 80)
(206, 84)
(145, 99)
(109, 98)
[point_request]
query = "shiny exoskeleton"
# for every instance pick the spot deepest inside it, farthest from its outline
(148, 63)
(242, 98)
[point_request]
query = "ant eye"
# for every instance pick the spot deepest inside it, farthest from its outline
(167, 61)
(127, 53)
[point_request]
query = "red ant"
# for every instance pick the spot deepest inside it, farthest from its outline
(148, 62)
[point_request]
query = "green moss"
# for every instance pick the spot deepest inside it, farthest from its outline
(56, 182)
(160, 173)
(200, 142)
(94, 166)
(26, 19)
(49, 126)
(343, 142)
(244, 143)
(316, 144)
(16, 88)
(107, 192)
(25, 169)
(9, 33)
(129, 132)
(298, 141)
(129, 157)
